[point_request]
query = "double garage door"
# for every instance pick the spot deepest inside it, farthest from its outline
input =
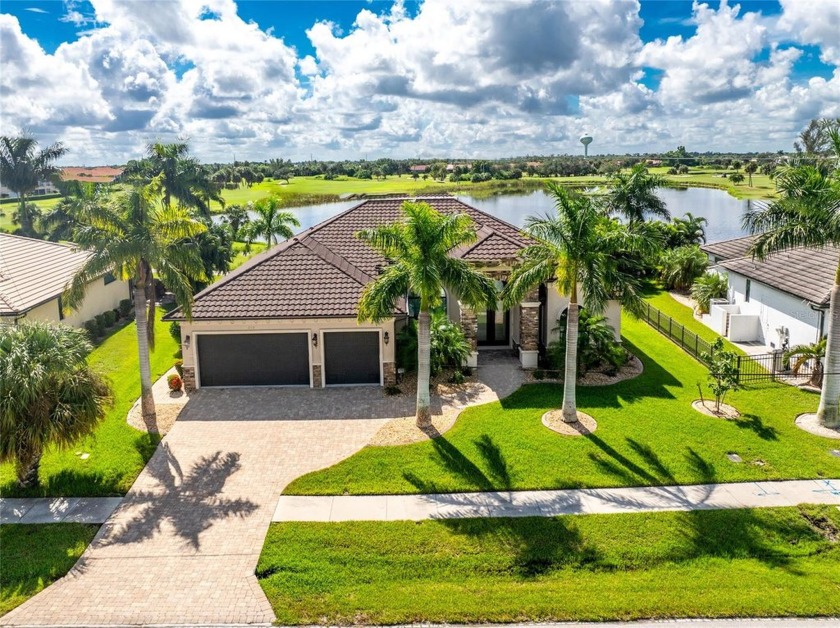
(283, 359)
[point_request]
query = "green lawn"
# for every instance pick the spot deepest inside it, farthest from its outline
(648, 434)
(34, 556)
(117, 451)
(8, 209)
(773, 562)
(241, 256)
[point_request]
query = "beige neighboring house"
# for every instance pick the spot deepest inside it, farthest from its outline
(287, 317)
(33, 275)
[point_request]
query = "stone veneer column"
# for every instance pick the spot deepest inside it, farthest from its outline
(529, 330)
(316, 376)
(189, 379)
(389, 374)
(469, 325)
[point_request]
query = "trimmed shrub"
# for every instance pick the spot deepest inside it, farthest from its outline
(109, 318)
(92, 329)
(175, 331)
(126, 308)
(175, 382)
(597, 346)
(100, 324)
(179, 366)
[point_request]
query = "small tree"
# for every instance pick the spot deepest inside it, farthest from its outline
(723, 372)
(805, 353)
(736, 178)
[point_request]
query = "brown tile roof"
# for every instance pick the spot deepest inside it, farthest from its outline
(322, 271)
(98, 174)
(806, 273)
(33, 271)
(729, 249)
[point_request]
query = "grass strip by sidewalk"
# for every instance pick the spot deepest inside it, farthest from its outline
(117, 451)
(35, 556)
(648, 434)
(768, 562)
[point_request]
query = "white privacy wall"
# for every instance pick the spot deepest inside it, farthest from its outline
(775, 309)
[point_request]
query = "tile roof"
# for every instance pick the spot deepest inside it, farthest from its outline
(33, 271)
(806, 273)
(729, 249)
(98, 174)
(322, 271)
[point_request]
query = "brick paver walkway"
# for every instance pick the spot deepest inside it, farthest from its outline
(183, 545)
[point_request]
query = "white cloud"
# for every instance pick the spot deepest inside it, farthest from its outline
(468, 78)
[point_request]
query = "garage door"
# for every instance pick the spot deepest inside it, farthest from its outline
(351, 357)
(253, 359)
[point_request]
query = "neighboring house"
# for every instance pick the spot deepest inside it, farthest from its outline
(288, 316)
(97, 174)
(33, 275)
(779, 302)
(418, 168)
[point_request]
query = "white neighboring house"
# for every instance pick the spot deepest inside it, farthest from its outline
(44, 187)
(33, 275)
(779, 302)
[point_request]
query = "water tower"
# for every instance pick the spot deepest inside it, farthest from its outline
(586, 140)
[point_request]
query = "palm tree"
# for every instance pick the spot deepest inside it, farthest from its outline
(750, 167)
(807, 214)
(181, 177)
(134, 238)
(633, 195)
(271, 221)
(804, 353)
(418, 249)
(692, 229)
(23, 167)
(49, 395)
(60, 222)
(581, 248)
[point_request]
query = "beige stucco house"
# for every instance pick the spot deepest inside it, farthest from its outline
(33, 275)
(288, 316)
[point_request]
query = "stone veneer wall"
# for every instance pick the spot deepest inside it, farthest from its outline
(469, 325)
(389, 374)
(189, 379)
(316, 376)
(529, 321)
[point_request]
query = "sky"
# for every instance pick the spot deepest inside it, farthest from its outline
(350, 79)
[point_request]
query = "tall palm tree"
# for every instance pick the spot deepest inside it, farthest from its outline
(750, 168)
(692, 229)
(580, 247)
(60, 222)
(633, 195)
(271, 221)
(23, 167)
(133, 238)
(418, 248)
(49, 395)
(181, 177)
(806, 214)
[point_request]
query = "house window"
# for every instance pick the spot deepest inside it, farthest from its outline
(414, 304)
(109, 278)
(747, 291)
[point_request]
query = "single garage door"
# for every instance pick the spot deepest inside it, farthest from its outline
(351, 357)
(253, 359)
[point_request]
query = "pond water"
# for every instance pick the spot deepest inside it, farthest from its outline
(723, 211)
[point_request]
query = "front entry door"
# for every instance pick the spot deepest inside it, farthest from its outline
(493, 327)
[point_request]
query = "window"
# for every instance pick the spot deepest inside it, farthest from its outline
(109, 278)
(747, 291)
(414, 304)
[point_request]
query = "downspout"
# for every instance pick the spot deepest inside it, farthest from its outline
(822, 309)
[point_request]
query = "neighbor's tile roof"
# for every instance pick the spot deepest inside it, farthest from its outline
(323, 270)
(97, 174)
(33, 272)
(729, 249)
(806, 273)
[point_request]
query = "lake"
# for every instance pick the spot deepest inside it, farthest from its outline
(723, 211)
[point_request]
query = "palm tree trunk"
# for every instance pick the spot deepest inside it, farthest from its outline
(570, 373)
(147, 399)
(28, 475)
(424, 350)
(24, 218)
(827, 413)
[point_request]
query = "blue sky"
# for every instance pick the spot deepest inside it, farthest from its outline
(348, 78)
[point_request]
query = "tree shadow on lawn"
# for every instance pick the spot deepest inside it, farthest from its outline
(453, 461)
(755, 424)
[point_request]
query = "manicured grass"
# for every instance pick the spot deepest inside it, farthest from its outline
(647, 434)
(34, 556)
(773, 562)
(242, 256)
(117, 451)
(665, 303)
(8, 209)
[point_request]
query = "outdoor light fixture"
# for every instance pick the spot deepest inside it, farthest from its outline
(315, 339)
(386, 338)
(187, 342)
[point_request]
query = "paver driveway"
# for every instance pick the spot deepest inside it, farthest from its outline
(183, 545)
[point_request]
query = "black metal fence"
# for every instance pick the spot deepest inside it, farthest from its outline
(751, 368)
(677, 332)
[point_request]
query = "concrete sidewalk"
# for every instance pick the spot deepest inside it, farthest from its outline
(563, 502)
(57, 509)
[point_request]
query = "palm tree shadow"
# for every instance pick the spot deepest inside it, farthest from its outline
(190, 502)
(756, 424)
